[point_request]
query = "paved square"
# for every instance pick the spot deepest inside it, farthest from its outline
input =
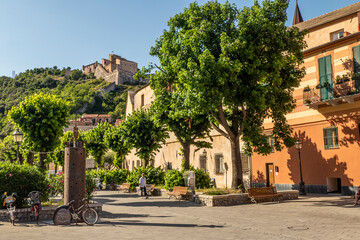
(126, 216)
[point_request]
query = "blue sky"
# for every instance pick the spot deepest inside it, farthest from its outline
(45, 33)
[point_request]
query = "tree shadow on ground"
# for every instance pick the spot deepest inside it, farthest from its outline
(158, 204)
(315, 167)
(105, 214)
(153, 224)
(326, 201)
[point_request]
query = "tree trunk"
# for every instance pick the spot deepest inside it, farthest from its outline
(237, 175)
(186, 149)
(42, 157)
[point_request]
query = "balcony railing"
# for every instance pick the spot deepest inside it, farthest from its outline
(344, 91)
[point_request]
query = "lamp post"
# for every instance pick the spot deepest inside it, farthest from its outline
(298, 146)
(18, 137)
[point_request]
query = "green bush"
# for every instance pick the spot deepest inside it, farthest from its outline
(56, 184)
(22, 179)
(153, 176)
(99, 173)
(117, 176)
(90, 185)
(174, 178)
(202, 179)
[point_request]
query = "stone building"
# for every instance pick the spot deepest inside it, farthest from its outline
(88, 121)
(115, 69)
(327, 115)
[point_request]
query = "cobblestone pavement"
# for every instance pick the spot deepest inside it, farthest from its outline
(126, 216)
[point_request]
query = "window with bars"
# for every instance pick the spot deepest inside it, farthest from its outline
(219, 163)
(271, 142)
(331, 138)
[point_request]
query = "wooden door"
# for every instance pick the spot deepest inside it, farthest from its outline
(270, 174)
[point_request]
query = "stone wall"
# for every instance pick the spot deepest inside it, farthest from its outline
(46, 213)
(236, 199)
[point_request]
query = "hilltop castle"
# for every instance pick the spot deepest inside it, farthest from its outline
(117, 69)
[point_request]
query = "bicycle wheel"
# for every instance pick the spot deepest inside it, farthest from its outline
(90, 216)
(62, 216)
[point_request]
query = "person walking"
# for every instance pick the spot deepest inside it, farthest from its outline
(142, 184)
(357, 196)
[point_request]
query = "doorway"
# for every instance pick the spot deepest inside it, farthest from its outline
(333, 185)
(270, 174)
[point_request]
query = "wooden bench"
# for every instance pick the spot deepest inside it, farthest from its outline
(125, 187)
(178, 192)
(256, 194)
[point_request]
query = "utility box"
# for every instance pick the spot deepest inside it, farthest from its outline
(189, 179)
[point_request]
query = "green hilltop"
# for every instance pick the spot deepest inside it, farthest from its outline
(81, 91)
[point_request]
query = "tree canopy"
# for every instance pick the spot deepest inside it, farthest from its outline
(42, 118)
(239, 65)
(189, 130)
(118, 142)
(145, 135)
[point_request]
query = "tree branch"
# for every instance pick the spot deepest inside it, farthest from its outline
(222, 120)
(220, 131)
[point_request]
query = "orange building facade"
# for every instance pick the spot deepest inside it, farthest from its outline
(327, 114)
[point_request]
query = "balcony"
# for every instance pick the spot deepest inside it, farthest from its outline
(344, 90)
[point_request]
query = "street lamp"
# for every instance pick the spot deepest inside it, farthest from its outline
(298, 146)
(18, 138)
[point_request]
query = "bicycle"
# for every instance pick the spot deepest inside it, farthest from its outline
(9, 200)
(35, 203)
(64, 215)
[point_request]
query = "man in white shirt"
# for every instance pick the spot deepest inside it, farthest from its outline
(142, 184)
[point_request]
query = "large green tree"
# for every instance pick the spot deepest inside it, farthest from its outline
(145, 135)
(42, 118)
(117, 141)
(189, 130)
(239, 65)
(95, 142)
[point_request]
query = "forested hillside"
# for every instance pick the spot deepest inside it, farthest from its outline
(77, 88)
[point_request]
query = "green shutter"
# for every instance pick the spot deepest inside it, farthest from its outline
(356, 55)
(325, 75)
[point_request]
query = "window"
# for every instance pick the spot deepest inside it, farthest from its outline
(271, 142)
(138, 163)
(331, 138)
(93, 121)
(203, 162)
(142, 100)
(219, 163)
(169, 165)
(133, 165)
(100, 120)
(356, 56)
(337, 35)
(245, 162)
(325, 77)
(107, 120)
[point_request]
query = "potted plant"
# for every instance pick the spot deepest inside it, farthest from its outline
(318, 86)
(307, 89)
(307, 101)
(338, 79)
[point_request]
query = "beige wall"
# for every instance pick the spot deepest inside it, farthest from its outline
(321, 34)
